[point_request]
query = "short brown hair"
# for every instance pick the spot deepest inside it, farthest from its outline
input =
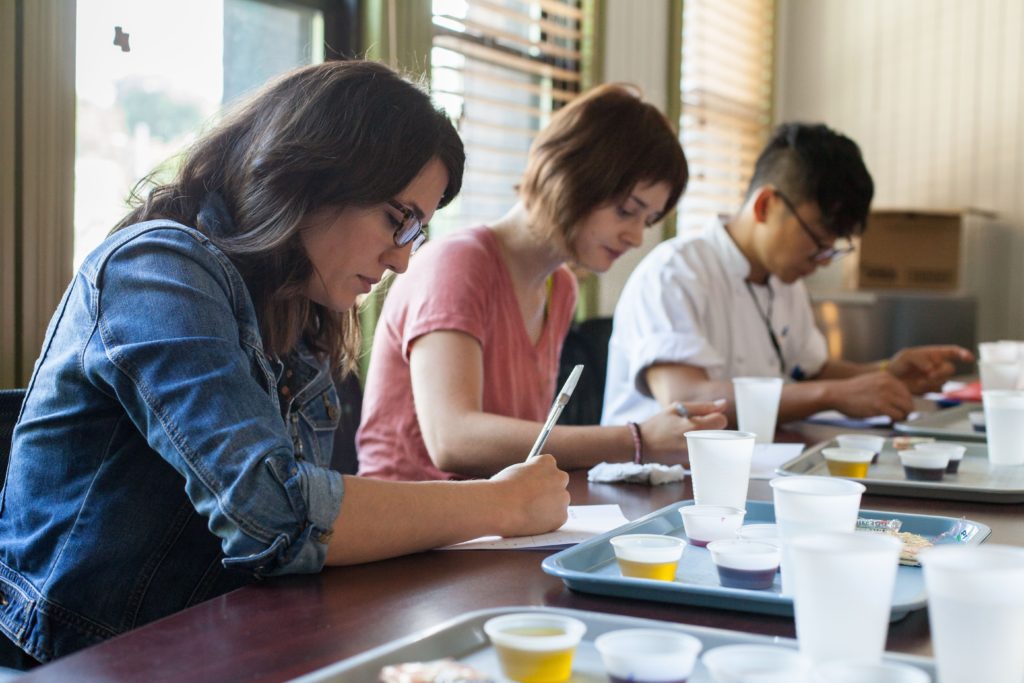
(594, 151)
(341, 133)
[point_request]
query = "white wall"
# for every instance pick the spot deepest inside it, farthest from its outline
(932, 91)
(636, 51)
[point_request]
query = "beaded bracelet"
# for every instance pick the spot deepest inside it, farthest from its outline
(638, 444)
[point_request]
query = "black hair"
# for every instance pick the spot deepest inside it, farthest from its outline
(813, 163)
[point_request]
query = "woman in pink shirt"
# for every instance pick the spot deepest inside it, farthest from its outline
(465, 355)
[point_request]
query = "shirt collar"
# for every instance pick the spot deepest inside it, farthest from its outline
(732, 258)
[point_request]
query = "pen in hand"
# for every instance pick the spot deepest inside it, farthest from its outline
(556, 410)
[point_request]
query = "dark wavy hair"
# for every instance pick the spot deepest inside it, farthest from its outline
(813, 163)
(594, 151)
(341, 133)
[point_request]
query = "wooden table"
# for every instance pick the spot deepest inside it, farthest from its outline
(289, 626)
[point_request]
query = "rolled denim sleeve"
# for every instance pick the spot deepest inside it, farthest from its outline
(176, 342)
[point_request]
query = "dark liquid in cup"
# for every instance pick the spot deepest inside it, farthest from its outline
(750, 579)
(953, 466)
(924, 473)
(616, 679)
(697, 542)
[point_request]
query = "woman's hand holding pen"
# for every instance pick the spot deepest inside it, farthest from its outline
(664, 435)
(533, 497)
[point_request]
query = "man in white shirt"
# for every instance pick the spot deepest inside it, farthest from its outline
(728, 302)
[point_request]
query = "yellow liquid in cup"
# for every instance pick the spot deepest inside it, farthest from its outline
(532, 666)
(662, 571)
(838, 468)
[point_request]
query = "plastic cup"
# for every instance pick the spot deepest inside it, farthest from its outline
(955, 452)
(863, 672)
(806, 505)
(757, 405)
(844, 586)
(976, 611)
(720, 466)
(1004, 426)
(755, 664)
(921, 465)
(999, 374)
(977, 420)
(706, 523)
(535, 648)
(762, 533)
(848, 462)
(870, 442)
(647, 655)
(745, 564)
(648, 556)
(999, 351)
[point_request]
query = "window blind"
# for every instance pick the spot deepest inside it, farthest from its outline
(500, 68)
(726, 93)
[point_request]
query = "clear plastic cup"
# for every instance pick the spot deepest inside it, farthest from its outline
(977, 420)
(871, 442)
(535, 648)
(1004, 426)
(999, 351)
(921, 465)
(648, 556)
(812, 504)
(999, 374)
(706, 523)
(955, 452)
(720, 466)
(976, 612)
(864, 672)
(843, 597)
(848, 462)
(757, 405)
(755, 664)
(750, 565)
(645, 655)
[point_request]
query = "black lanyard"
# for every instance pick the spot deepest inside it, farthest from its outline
(767, 318)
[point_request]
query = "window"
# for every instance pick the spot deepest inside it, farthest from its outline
(500, 68)
(726, 88)
(139, 107)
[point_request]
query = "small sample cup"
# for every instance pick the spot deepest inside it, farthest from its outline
(867, 672)
(848, 462)
(869, 442)
(706, 523)
(535, 648)
(648, 556)
(735, 663)
(955, 451)
(762, 533)
(745, 564)
(977, 419)
(921, 465)
(648, 655)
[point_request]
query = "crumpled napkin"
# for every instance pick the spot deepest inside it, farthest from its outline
(651, 473)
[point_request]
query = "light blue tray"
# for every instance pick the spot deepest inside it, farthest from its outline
(590, 566)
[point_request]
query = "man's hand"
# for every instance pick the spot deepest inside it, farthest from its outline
(870, 394)
(926, 368)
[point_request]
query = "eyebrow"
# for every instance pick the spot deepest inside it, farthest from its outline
(642, 203)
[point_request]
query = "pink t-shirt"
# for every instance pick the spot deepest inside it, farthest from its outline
(458, 283)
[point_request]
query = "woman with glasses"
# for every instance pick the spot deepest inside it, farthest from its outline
(177, 429)
(728, 301)
(466, 353)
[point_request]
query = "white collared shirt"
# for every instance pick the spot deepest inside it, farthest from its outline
(688, 302)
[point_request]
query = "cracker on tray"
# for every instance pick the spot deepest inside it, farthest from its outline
(438, 671)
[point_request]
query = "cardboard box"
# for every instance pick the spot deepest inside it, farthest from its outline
(916, 250)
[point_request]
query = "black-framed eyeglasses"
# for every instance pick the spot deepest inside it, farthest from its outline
(409, 230)
(840, 248)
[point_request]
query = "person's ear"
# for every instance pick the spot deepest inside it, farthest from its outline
(761, 201)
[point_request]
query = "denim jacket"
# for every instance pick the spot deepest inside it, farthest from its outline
(153, 464)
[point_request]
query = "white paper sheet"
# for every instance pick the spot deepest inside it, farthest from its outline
(768, 456)
(585, 521)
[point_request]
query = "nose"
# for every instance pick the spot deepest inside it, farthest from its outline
(633, 236)
(396, 258)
